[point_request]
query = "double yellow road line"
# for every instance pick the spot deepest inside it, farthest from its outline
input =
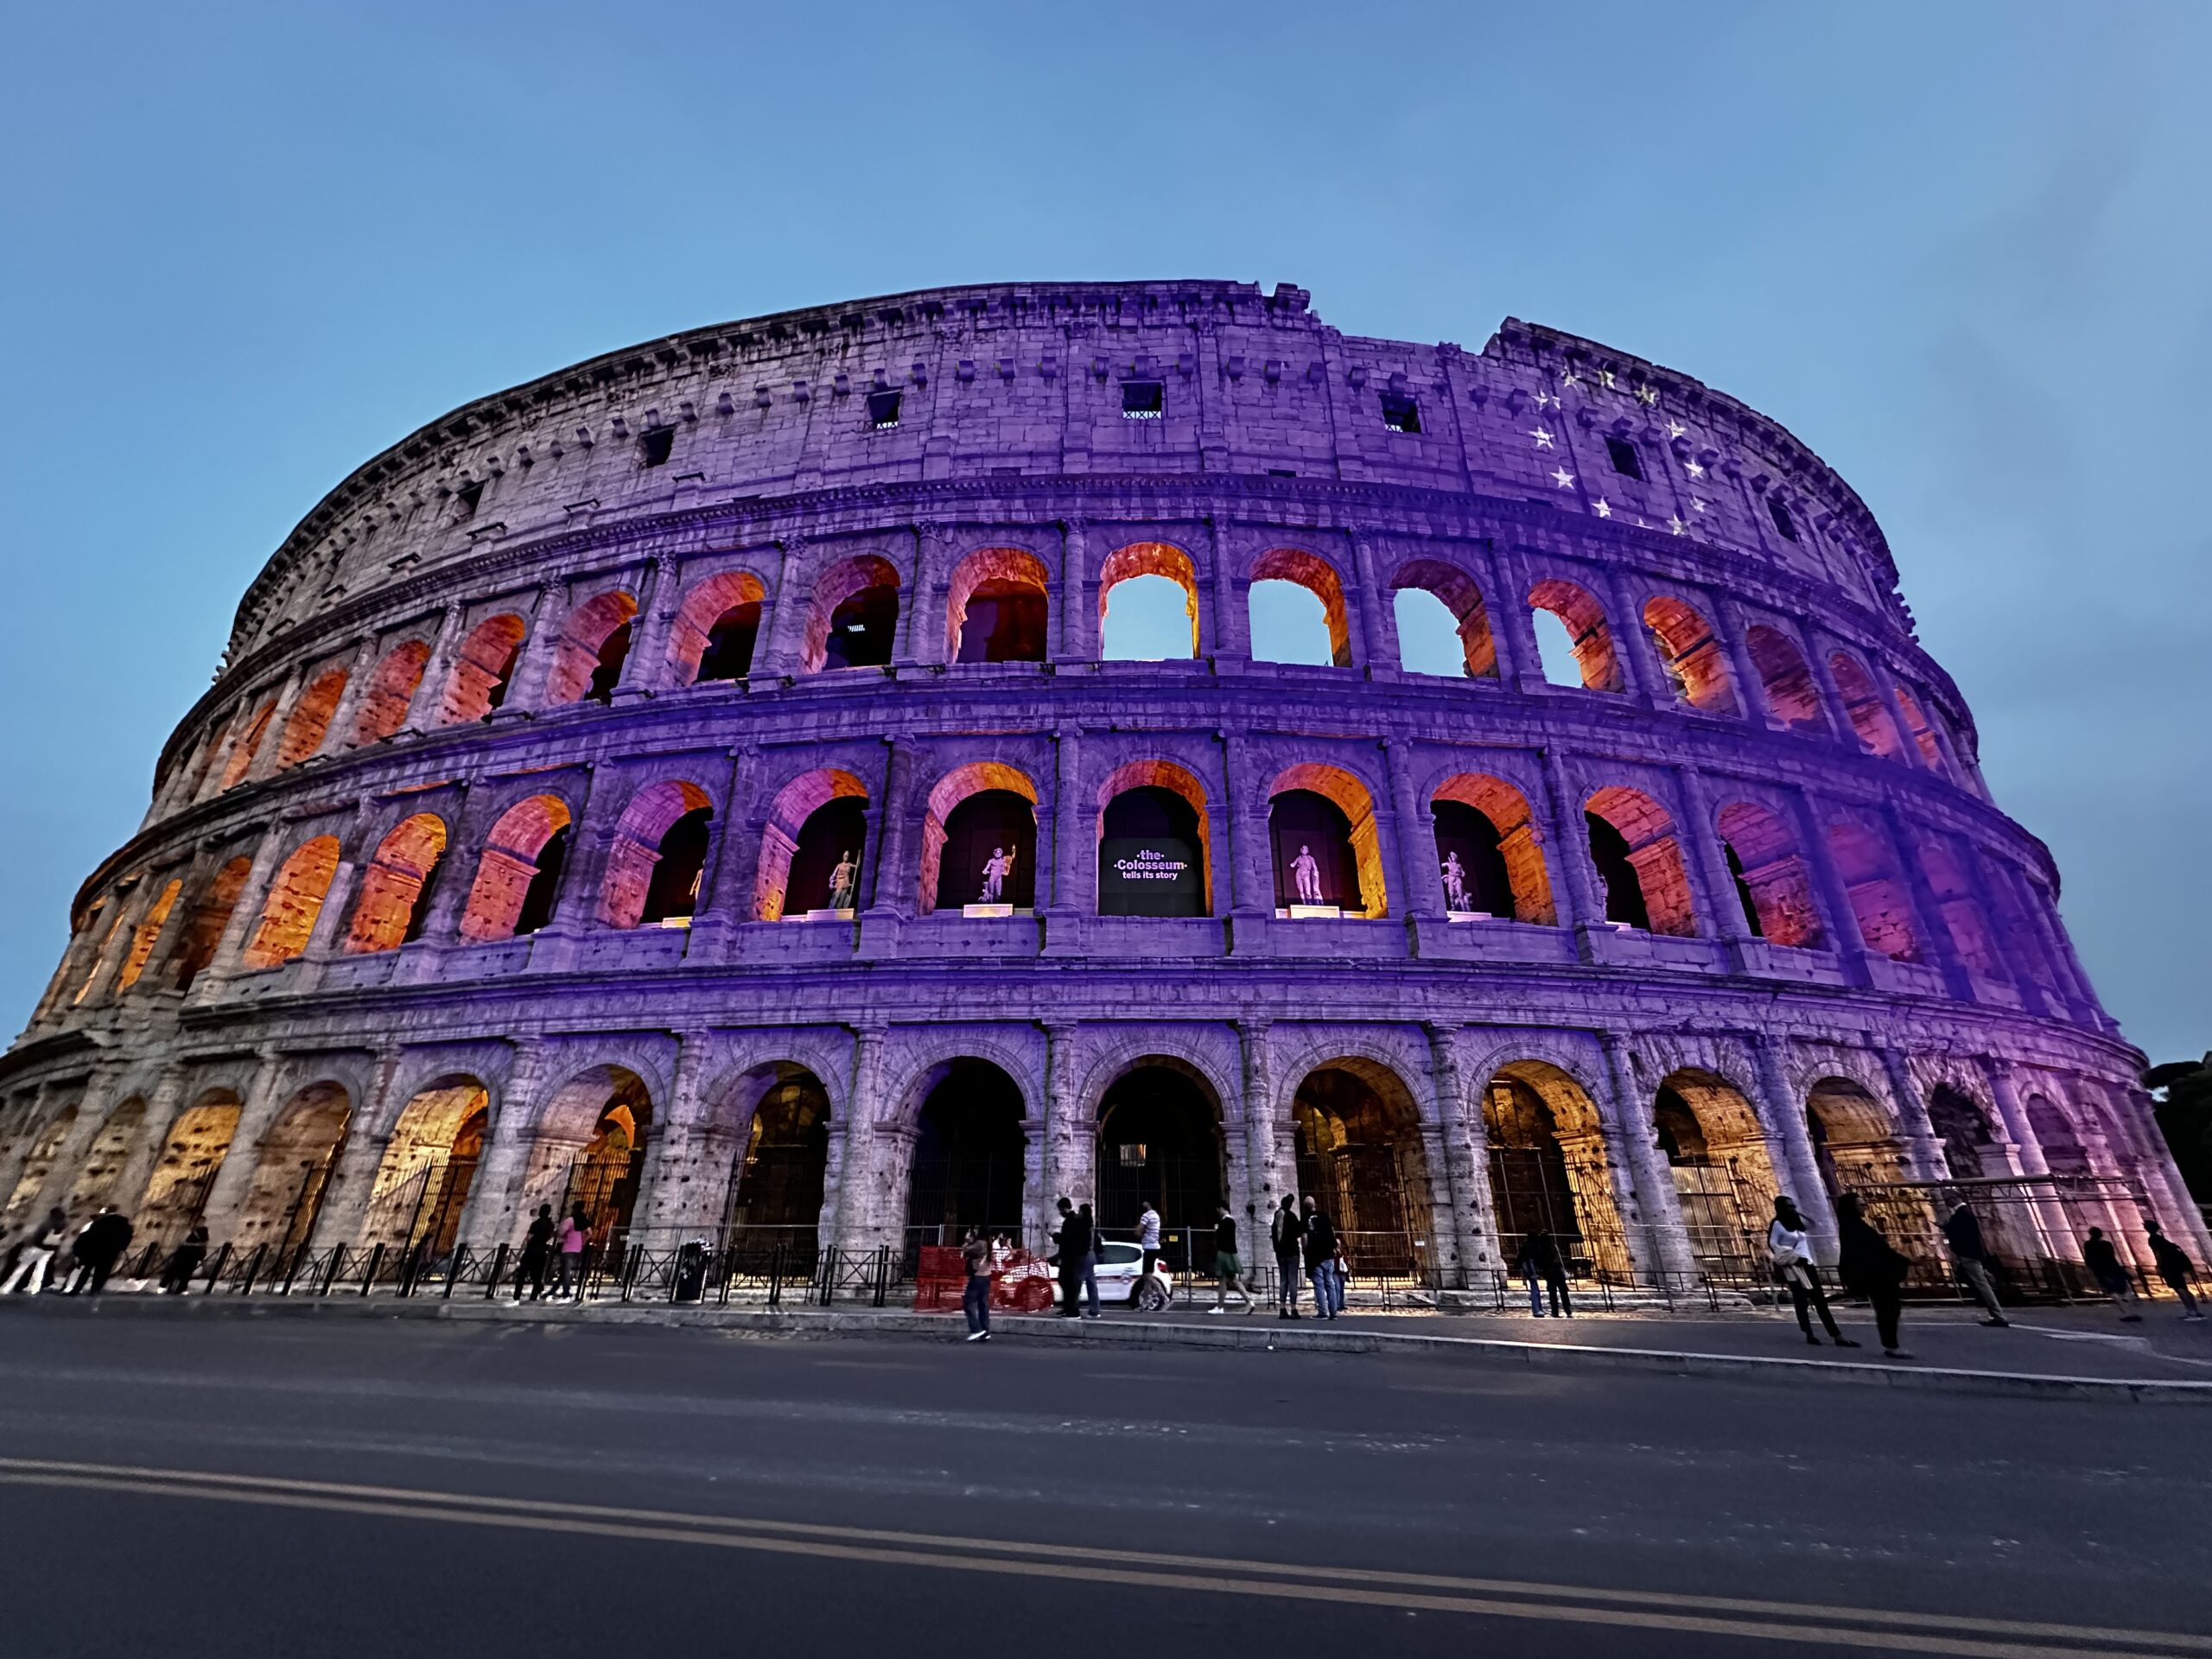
(1875, 1628)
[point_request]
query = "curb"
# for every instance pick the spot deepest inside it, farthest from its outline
(1130, 1333)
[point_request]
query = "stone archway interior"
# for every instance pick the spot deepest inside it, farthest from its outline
(1159, 1138)
(969, 1154)
(1359, 1159)
(776, 1190)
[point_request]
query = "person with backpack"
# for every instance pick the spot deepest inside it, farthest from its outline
(536, 1243)
(1286, 1232)
(2112, 1275)
(2175, 1267)
(1539, 1263)
(1962, 1232)
(1320, 1247)
(98, 1247)
(1871, 1269)
(1789, 1250)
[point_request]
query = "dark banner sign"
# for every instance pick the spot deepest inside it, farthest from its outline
(1155, 875)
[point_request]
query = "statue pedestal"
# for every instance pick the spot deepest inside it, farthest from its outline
(1467, 916)
(987, 910)
(1315, 912)
(825, 916)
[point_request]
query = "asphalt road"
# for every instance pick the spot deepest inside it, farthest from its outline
(223, 1486)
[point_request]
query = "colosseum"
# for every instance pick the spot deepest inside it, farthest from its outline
(730, 785)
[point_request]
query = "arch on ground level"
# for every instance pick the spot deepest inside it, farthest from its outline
(659, 853)
(1497, 846)
(958, 838)
(519, 873)
(204, 927)
(287, 915)
(853, 621)
(997, 608)
(588, 1151)
(291, 1171)
(483, 669)
(967, 1156)
(780, 1171)
(1773, 883)
(1155, 851)
(103, 1159)
(310, 721)
(1696, 666)
(392, 691)
(1639, 862)
(148, 932)
(818, 822)
(1588, 633)
(1326, 814)
(253, 729)
(1969, 1144)
(1923, 732)
(717, 628)
(38, 1163)
(429, 1169)
(1360, 1158)
(1455, 590)
(1319, 577)
(396, 890)
(1787, 680)
(1140, 559)
(1881, 902)
(191, 1154)
(1862, 705)
(1724, 1176)
(1549, 1167)
(594, 645)
(1959, 907)
(1855, 1144)
(1160, 1141)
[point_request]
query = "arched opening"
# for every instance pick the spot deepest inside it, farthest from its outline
(429, 1169)
(105, 1159)
(853, 621)
(1588, 638)
(177, 1192)
(1879, 900)
(310, 721)
(1442, 626)
(594, 645)
(1527, 889)
(717, 629)
(979, 839)
(1772, 883)
(146, 934)
(589, 1150)
(776, 1197)
(1327, 854)
(1877, 733)
(1283, 623)
(1160, 1143)
(391, 692)
(109, 908)
(2063, 1151)
(1969, 1148)
(1787, 680)
(1148, 604)
(295, 901)
(482, 669)
(1923, 732)
(1548, 1171)
(968, 1157)
(211, 914)
(1696, 666)
(518, 875)
(997, 609)
(395, 893)
(659, 852)
(1360, 1159)
(247, 745)
(1724, 1177)
(1639, 862)
(38, 1165)
(813, 846)
(1153, 843)
(292, 1173)
(1854, 1145)
(1958, 906)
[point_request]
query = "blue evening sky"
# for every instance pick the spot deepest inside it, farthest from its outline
(1960, 250)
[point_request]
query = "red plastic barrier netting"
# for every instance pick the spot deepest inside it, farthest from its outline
(1021, 1282)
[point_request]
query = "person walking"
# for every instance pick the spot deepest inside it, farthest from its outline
(98, 1247)
(1227, 1267)
(176, 1277)
(1073, 1244)
(1962, 1232)
(1286, 1231)
(573, 1235)
(976, 1300)
(1788, 1248)
(536, 1243)
(1090, 1267)
(2112, 1276)
(1869, 1268)
(1320, 1245)
(2175, 1267)
(1339, 1276)
(1541, 1263)
(35, 1269)
(1148, 1238)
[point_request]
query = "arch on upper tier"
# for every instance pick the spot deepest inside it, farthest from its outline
(1310, 571)
(1773, 882)
(1511, 841)
(1639, 862)
(594, 643)
(287, 915)
(853, 621)
(997, 609)
(1326, 814)
(1589, 636)
(716, 632)
(1138, 559)
(1696, 666)
(802, 843)
(1787, 680)
(1003, 819)
(1455, 590)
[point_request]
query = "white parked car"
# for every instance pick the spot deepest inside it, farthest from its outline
(1121, 1282)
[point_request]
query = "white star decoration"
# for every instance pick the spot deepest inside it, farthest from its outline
(1647, 396)
(1546, 399)
(1677, 524)
(1570, 379)
(1696, 506)
(1605, 508)
(1543, 438)
(1694, 469)
(1605, 378)
(1675, 429)
(1562, 477)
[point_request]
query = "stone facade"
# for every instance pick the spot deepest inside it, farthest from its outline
(405, 882)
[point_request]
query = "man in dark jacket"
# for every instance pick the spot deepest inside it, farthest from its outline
(1074, 1242)
(1320, 1247)
(1871, 1269)
(100, 1247)
(536, 1247)
(2175, 1267)
(1540, 1259)
(1286, 1228)
(1962, 1231)
(2105, 1266)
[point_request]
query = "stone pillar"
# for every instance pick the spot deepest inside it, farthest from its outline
(1817, 651)
(726, 888)
(1230, 642)
(782, 618)
(549, 614)
(489, 1219)
(1462, 1140)
(337, 736)
(1722, 903)
(1064, 1147)
(423, 709)
(1923, 1152)
(1840, 921)
(233, 1182)
(1751, 689)
(1073, 888)
(1643, 677)
(923, 618)
(895, 889)
(1421, 881)
(1520, 667)
(679, 1190)
(1785, 1119)
(1933, 926)
(346, 1196)
(2051, 1219)
(868, 1213)
(2130, 1113)
(273, 738)
(162, 1105)
(646, 669)
(1079, 612)
(245, 915)
(1574, 886)
(1374, 629)
(1667, 1241)
(1271, 1162)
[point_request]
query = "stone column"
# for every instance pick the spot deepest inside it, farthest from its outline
(1064, 1147)
(1462, 1141)
(1078, 641)
(548, 615)
(1419, 878)
(726, 888)
(1817, 651)
(1574, 887)
(1643, 679)
(646, 669)
(893, 890)
(1750, 687)
(1230, 642)
(1710, 859)
(233, 1182)
(868, 1212)
(423, 709)
(678, 1190)
(1933, 926)
(782, 618)
(346, 1196)
(1785, 1118)
(2051, 1219)
(337, 736)
(1923, 1152)
(1271, 1163)
(922, 614)
(272, 739)
(1073, 897)
(1667, 1240)
(489, 1219)
(1373, 630)
(1840, 921)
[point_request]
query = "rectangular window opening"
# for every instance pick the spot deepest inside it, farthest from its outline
(653, 448)
(468, 496)
(1400, 413)
(1626, 462)
(1782, 521)
(1143, 400)
(883, 410)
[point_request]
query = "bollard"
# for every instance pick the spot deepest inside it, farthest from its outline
(369, 1277)
(454, 1268)
(253, 1267)
(222, 1260)
(330, 1274)
(499, 1269)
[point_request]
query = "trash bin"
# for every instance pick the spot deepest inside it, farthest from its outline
(691, 1271)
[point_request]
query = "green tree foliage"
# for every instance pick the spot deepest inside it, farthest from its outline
(2184, 1091)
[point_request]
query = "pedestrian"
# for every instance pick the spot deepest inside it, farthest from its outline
(1869, 1268)
(1090, 1271)
(1148, 1238)
(1541, 1263)
(1285, 1232)
(1962, 1232)
(976, 1300)
(1792, 1256)
(569, 1270)
(1072, 1244)
(176, 1277)
(1339, 1276)
(35, 1270)
(1227, 1267)
(2175, 1267)
(1321, 1244)
(2104, 1265)
(98, 1247)
(535, 1245)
